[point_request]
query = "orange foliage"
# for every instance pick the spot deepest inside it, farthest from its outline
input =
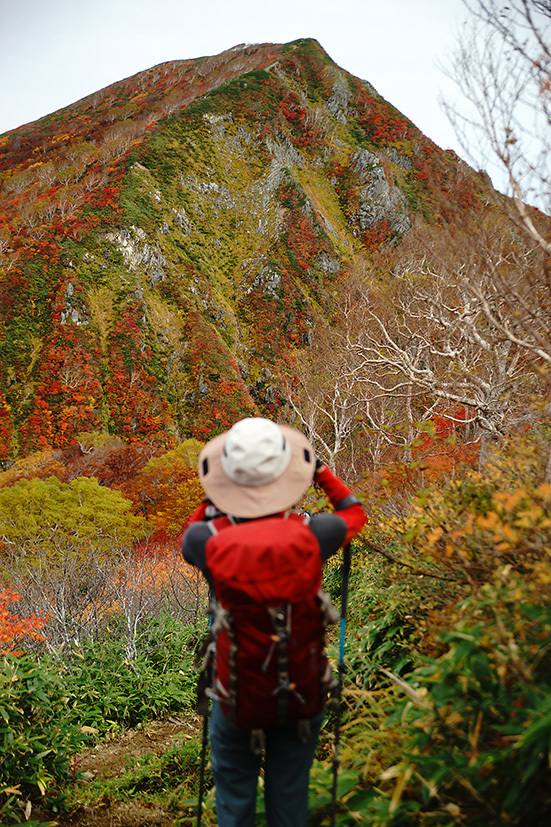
(13, 627)
(156, 565)
(437, 456)
(166, 493)
(112, 464)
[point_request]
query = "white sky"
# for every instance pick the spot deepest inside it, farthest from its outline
(54, 52)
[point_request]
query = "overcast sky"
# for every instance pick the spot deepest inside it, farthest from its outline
(54, 52)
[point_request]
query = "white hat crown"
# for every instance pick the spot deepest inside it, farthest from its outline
(255, 452)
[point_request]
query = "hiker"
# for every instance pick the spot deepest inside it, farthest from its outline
(264, 565)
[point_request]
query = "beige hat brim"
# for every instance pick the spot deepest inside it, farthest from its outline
(249, 501)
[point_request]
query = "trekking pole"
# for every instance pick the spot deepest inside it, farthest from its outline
(204, 742)
(341, 667)
(203, 707)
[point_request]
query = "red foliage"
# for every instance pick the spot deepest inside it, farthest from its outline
(68, 391)
(377, 234)
(380, 120)
(14, 629)
(219, 396)
(135, 407)
(5, 427)
(112, 464)
(304, 133)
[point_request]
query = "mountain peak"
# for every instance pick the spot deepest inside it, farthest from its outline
(172, 241)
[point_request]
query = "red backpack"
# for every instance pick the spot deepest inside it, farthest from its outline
(270, 664)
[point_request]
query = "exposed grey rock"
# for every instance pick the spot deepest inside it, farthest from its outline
(366, 165)
(138, 253)
(398, 159)
(243, 369)
(307, 338)
(217, 123)
(283, 150)
(182, 220)
(71, 314)
(328, 264)
(378, 199)
(268, 281)
(341, 94)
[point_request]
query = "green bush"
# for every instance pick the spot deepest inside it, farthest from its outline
(482, 742)
(49, 512)
(108, 693)
(37, 741)
(48, 709)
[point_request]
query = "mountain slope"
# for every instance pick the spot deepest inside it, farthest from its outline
(170, 242)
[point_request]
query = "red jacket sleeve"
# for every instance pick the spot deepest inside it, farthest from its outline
(343, 501)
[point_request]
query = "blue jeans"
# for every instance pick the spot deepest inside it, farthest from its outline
(286, 772)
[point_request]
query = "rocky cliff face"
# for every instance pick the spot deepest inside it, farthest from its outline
(170, 242)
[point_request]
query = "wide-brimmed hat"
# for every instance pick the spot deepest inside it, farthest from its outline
(256, 468)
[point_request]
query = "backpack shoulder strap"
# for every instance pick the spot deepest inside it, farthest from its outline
(220, 522)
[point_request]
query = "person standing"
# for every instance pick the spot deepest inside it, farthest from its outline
(263, 565)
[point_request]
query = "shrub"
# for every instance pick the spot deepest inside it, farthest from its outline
(37, 512)
(448, 717)
(36, 739)
(107, 692)
(478, 734)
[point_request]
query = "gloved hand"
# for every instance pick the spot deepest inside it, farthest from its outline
(319, 466)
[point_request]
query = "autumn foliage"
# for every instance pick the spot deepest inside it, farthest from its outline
(15, 630)
(167, 243)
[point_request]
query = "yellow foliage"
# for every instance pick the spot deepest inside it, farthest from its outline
(478, 523)
(100, 301)
(39, 464)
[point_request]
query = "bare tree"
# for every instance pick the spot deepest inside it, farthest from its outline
(137, 595)
(502, 68)
(64, 583)
(435, 345)
(79, 587)
(323, 401)
(188, 589)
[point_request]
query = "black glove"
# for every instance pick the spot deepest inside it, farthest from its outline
(319, 466)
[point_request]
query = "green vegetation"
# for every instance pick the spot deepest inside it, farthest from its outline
(449, 688)
(447, 695)
(37, 740)
(170, 187)
(261, 232)
(35, 511)
(50, 708)
(107, 692)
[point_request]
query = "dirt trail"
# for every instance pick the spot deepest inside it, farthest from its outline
(112, 759)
